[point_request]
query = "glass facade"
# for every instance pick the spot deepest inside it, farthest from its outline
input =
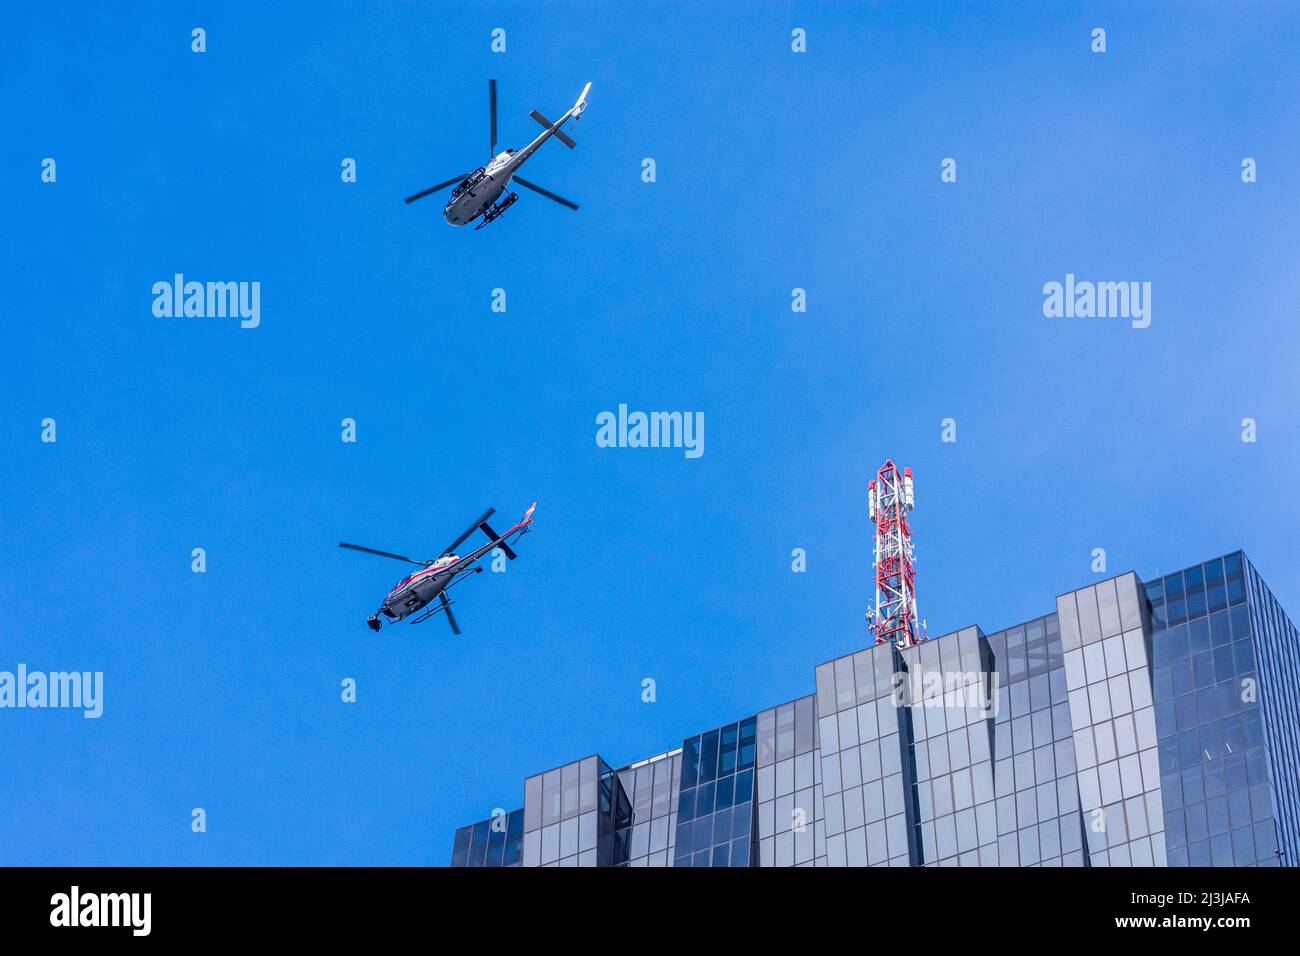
(1210, 698)
(790, 830)
(1140, 724)
(583, 814)
(1276, 646)
(648, 836)
(867, 776)
(1106, 643)
(498, 841)
(1035, 780)
(715, 814)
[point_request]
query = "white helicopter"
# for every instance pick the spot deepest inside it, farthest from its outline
(477, 192)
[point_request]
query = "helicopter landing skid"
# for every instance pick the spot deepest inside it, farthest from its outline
(493, 214)
(426, 615)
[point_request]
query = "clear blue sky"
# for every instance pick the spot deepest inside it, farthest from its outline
(775, 171)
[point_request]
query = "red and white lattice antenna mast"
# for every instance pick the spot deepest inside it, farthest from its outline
(894, 616)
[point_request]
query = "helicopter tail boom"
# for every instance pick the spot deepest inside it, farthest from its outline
(560, 134)
(580, 106)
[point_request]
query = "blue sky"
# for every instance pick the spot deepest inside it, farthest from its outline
(775, 170)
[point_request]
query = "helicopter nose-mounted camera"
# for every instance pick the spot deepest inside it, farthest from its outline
(372, 622)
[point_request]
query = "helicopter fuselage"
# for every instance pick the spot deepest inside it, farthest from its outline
(419, 590)
(476, 194)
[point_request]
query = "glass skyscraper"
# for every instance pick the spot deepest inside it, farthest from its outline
(1139, 724)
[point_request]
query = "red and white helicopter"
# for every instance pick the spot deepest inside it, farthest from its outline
(416, 591)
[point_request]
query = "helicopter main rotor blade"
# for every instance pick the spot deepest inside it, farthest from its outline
(451, 618)
(383, 554)
(469, 531)
(433, 189)
(492, 108)
(545, 192)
